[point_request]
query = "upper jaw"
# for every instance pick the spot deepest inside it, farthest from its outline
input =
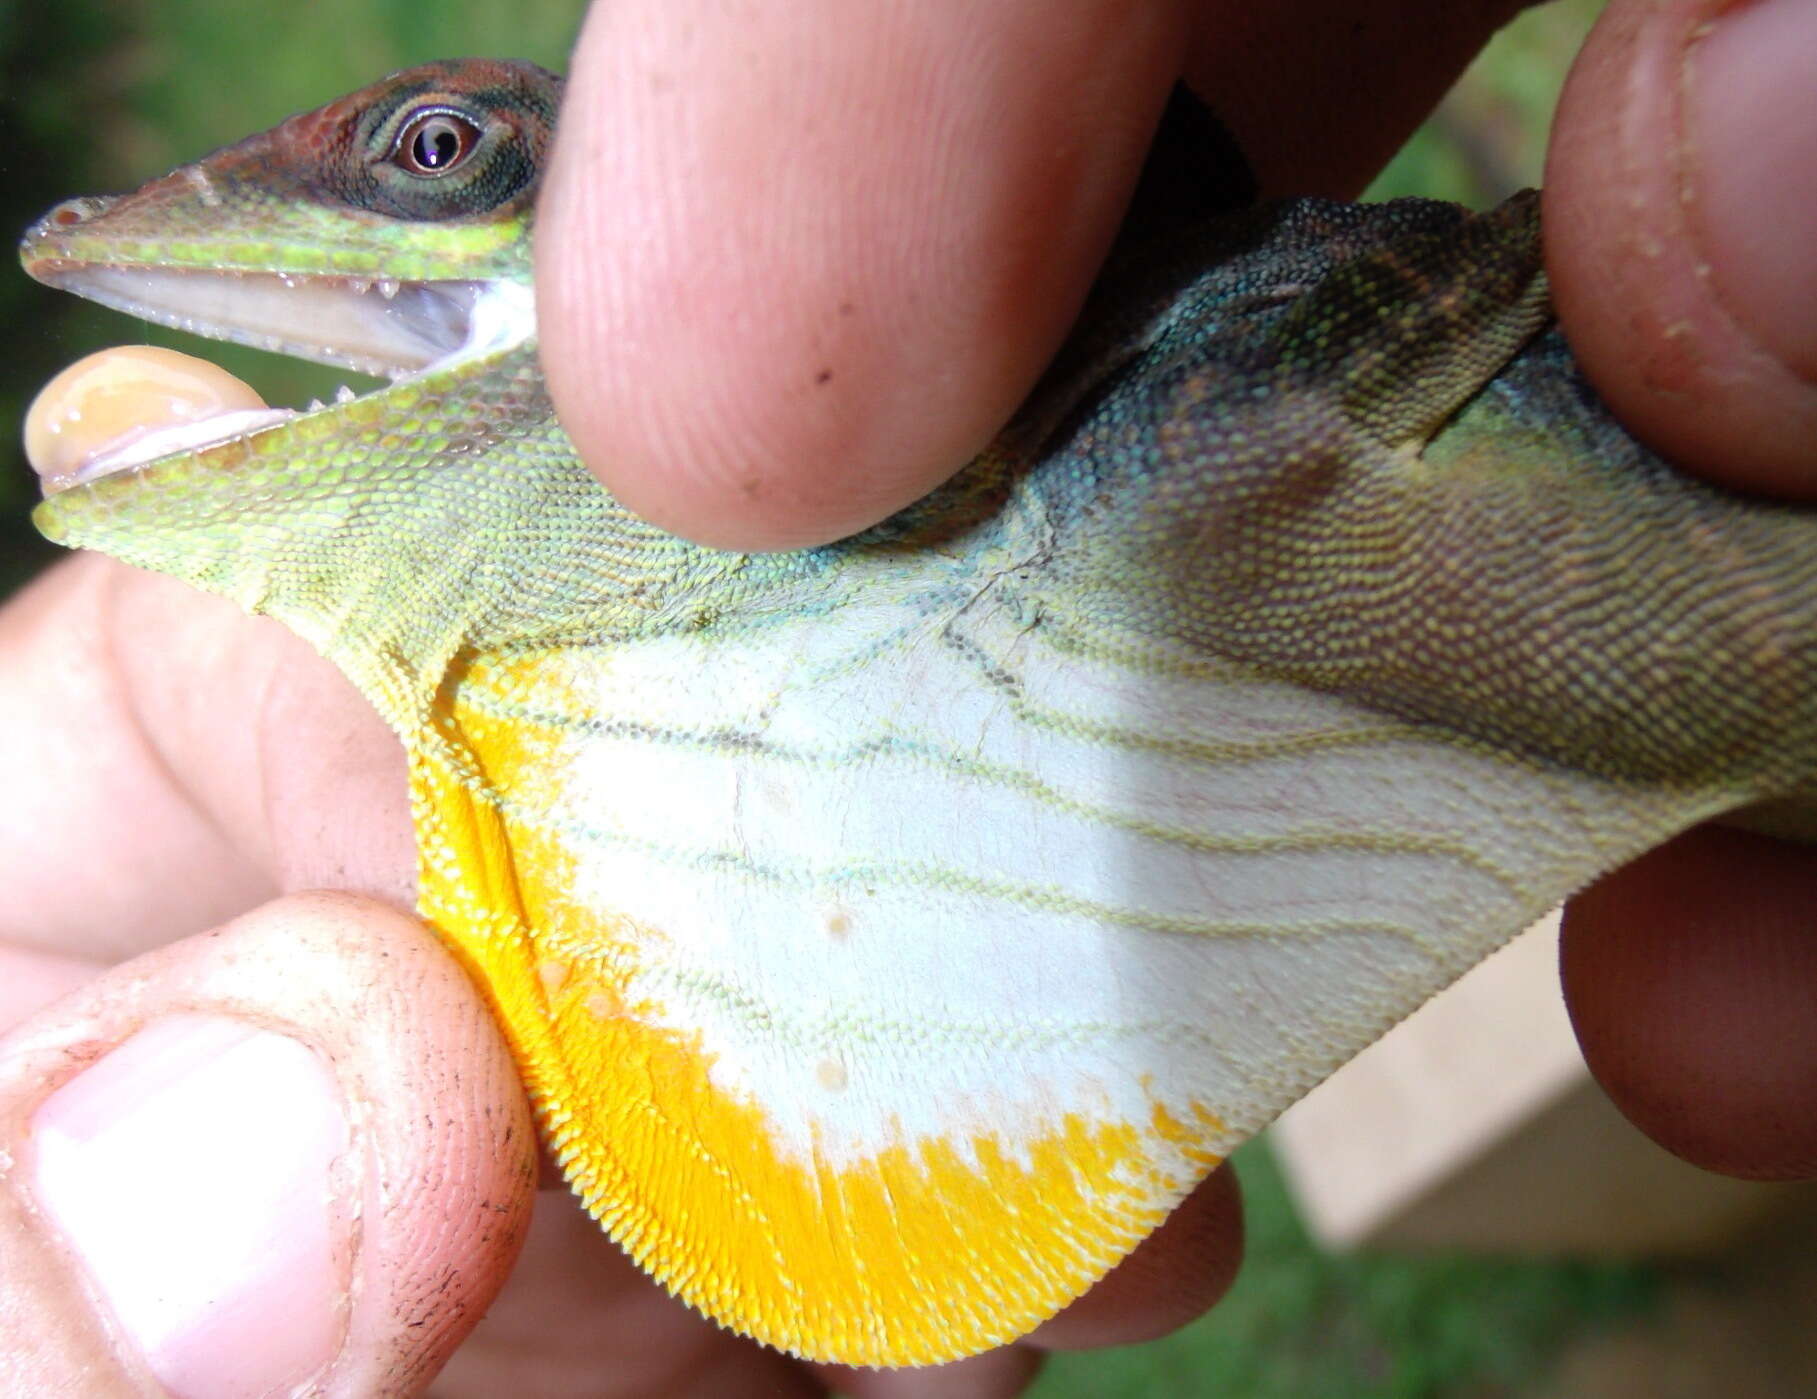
(381, 326)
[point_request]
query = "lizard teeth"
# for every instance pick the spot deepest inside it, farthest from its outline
(409, 327)
(344, 395)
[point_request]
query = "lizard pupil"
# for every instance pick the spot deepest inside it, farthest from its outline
(435, 143)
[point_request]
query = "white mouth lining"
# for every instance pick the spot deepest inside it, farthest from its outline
(497, 316)
(374, 325)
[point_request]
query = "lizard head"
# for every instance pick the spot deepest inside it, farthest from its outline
(384, 232)
(387, 232)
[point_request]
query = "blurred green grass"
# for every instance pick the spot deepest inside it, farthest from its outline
(1303, 1324)
(97, 96)
(1488, 138)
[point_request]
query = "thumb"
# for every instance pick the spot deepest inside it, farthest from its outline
(1681, 202)
(289, 1153)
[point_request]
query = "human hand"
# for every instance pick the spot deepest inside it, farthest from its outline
(296, 1137)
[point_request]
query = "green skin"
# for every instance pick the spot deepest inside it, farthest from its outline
(1336, 446)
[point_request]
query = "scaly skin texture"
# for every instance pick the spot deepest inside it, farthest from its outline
(891, 933)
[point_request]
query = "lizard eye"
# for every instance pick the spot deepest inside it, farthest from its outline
(434, 142)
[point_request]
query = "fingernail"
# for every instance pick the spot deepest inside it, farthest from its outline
(1751, 147)
(191, 1170)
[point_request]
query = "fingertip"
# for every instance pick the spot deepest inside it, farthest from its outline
(1170, 1278)
(793, 271)
(31, 979)
(1690, 975)
(193, 1171)
(291, 1150)
(997, 1374)
(448, 1168)
(1680, 204)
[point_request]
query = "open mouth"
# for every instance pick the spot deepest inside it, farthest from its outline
(391, 328)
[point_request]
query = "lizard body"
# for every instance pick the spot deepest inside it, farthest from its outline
(892, 932)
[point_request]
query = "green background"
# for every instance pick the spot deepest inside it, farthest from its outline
(97, 97)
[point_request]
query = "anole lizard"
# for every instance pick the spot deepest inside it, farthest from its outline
(890, 933)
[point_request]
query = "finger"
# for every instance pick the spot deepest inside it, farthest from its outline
(31, 980)
(794, 271)
(1691, 975)
(291, 1153)
(1173, 1275)
(778, 251)
(997, 1374)
(95, 835)
(1681, 223)
(171, 762)
(579, 1317)
(1321, 93)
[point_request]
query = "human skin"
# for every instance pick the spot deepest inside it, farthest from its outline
(726, 185)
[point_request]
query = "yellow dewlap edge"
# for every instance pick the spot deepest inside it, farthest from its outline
(925, 1251)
